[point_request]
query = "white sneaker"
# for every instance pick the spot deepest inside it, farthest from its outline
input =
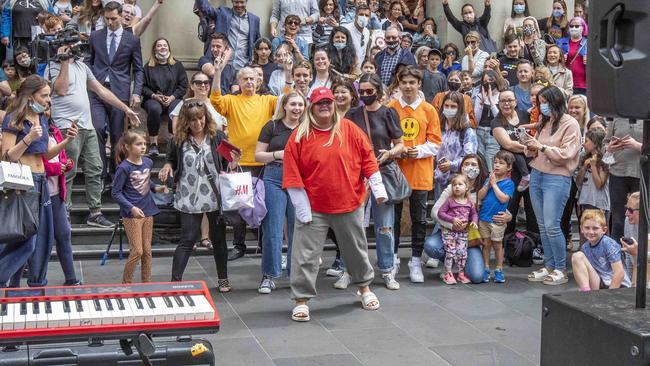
(343, 282)
(432, 263)
(415, 270)
(320, 261)
(389, 281)
(284, 262)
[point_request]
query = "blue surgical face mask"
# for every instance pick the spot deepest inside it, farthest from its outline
(545, 108)
(37, 108)
(340, 45)
(558, 13)
(519, 8)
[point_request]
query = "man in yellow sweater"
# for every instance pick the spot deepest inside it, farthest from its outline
(246, 113)
(422, 138)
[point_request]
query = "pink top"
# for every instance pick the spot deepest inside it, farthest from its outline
(578, 67)
(562, 152)
(54, 168)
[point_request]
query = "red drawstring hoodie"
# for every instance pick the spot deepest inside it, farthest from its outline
(57, 169)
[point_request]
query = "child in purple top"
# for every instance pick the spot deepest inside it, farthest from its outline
(459, 211)
(132, 187)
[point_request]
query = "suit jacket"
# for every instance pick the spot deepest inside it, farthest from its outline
(222, 16)
(126, 62)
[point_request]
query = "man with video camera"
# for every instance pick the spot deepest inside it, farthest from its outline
(71, 80)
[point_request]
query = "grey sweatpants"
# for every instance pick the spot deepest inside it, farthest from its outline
(308, 241)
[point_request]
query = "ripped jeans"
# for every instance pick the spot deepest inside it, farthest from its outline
(383, 217)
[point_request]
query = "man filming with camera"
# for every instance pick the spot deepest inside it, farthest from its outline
(71, 80)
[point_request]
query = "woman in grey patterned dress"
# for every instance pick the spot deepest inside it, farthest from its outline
(191, 156)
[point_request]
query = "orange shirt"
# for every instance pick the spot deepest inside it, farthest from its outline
(469, 107)
(331, 175)
(420, 125)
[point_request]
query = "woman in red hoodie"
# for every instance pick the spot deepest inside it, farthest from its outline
(55, 169)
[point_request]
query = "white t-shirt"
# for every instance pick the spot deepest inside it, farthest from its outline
(219, 119)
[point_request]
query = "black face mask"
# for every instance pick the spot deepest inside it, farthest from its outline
(392, 44)
(453, 85)
(492, 85)
(368, 99)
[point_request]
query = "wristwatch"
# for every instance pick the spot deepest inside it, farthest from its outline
(543, 148)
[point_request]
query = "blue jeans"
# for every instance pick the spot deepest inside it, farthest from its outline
(383, 216)
(35, 250)
(63, 238)
(549, 194)
(279, 207)
(434, 248)
(487, 145)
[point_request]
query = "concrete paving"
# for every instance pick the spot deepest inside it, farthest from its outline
(420, 324)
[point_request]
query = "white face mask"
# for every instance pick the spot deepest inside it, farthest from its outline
(362, 21)
(162, 56)
(450, 112)
(575, 32)
(471, 172)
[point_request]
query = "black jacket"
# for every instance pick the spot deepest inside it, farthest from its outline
(166, 80)
(175, 155)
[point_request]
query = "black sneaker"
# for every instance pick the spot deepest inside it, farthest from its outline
(72, 283)
(99, 221)
(153, 150)
(235, 253)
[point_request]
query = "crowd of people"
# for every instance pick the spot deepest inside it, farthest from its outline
(340, 96)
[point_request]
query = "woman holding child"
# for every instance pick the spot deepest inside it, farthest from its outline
(555, 150)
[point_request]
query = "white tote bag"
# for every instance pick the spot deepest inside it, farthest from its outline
(236, 190)
(15, 176)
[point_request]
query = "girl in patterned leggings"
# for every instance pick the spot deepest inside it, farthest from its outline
(132, 188)
(459, 211)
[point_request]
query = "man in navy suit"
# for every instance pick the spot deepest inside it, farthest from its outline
(241, 27)
(115, 55)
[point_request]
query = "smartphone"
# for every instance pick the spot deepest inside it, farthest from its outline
(442, 160)
(627, 240)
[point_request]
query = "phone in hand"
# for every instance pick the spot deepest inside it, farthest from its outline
(627, 240)
(442, 160)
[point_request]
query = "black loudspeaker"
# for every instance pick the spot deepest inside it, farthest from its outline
(595, 328)
(618, 67)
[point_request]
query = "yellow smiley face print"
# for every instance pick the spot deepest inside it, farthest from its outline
(411, 128)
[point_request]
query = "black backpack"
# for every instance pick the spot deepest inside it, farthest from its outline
(518, 248)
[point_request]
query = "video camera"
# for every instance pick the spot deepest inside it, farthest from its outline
(48, 45)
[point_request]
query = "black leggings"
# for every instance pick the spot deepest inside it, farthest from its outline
(513, 207)
(569, 207)
(418, 211)
(191, 232)
(619, 188)
(155, 112)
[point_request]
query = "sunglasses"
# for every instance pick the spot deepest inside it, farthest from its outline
(575, 26)
(193, 103)
(630, 209)
(367, 91)
(201, 82)
(293, 22)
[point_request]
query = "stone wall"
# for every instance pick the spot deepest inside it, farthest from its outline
(176, 22)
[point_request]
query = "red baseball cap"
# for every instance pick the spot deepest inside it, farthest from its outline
(321, 93)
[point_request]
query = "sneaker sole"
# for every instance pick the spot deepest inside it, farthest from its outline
(333, 273)
(94, 224)
(265, 291)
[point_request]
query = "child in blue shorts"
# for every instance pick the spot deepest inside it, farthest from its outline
(495, 197)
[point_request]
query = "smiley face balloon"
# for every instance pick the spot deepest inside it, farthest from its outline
(411, 128)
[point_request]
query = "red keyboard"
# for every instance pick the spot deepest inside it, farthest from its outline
(67, 314)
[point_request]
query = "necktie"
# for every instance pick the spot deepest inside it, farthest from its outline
(113, 46)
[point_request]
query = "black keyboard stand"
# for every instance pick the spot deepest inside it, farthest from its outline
(184, 350)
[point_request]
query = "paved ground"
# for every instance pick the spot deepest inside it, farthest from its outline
(423, 324)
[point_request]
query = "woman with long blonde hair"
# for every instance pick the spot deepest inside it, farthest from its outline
(270, 151)
(325, 164)
(192, 160)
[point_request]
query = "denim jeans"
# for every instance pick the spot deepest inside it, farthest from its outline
(487, 145)
(279, 207)
(549, 194)
(434, 248)
(383, 216)
(63, 238)
(35, 250)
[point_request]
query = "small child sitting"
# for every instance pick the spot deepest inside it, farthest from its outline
(459, 211)
(598, 265)
(495, 197)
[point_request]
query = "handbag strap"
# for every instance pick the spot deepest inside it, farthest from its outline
(365, 117)
(209, 175)
(582, 45)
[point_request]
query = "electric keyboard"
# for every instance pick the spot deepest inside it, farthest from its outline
(78, 313)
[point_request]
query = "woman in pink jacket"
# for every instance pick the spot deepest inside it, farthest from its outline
(55, 169)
